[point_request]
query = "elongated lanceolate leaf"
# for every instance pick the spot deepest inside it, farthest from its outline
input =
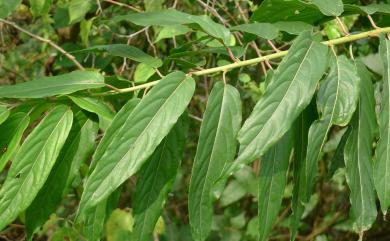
(382, 153)
(138, 137)
(272, 182)
(216, 149)
(11, 133)
(33, 163)
(94, 106)
(263, 30)
(358, 156)
(126, 51)
(156, 179)
(76, 150)
(57, 85)
(291, 90)
(330, 7)
(4, 113)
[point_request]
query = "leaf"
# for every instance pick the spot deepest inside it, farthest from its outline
(336, 100)
(263, 30)
(382, 153)
(358, 156)
(330, 7)
(160, 18)
(11, 133)
(33, 162)
(120, 225)
(4, 114)
(293, 27)
(171, 31)
(155, 180)
(7, 6)
(138, 137)
(143, 72)
(272, 182)
(212, 28)
(126, 51)
(153, 5)
(93, 105)
(291, 90)
(302, 125)
(51, 86)
(216, 148)
(40, 7)
(78, 9)
(76, 150)
(368, 9)
(271, 11)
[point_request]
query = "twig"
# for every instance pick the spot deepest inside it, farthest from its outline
(273, 46)
(123, 5)
(44, 40)
(150, 42)
(372, 22)
(342, 26)
(212, 11)
(323, 228)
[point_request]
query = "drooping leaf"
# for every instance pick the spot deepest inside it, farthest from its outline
(263, 30)
(330, 7)
(302, 125)
(212, 28)
(155, 180)
(51, 86)
(358, 156)
(272, 182)
(33, 163)
(336, 100)
(40, 7)
(126, 51)
(7, 6)
(139, 135)
(11, 133)
(291, 90)
(77, 10)
(4, 113)
(382, 153)
(76, 150)
(216, 149)
(171, 31)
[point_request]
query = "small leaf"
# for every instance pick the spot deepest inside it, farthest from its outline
(11, 133)
(51, 86)
(160, 18)
(212, 28)
(95, 106)
(126, 51)
(76, 150)
(272, 182)
(4, 114)
(216, 149)
(33, 163)
(143, 72)
(293, 27)
(330, 7)
(40, 7)
(358, 156)
(290, 91)
(382, 153)
(263, 30)
(7, 6)
(138, 137)
(78, 9)
(155, 180)
(171, 31)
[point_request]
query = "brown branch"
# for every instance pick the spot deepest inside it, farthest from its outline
(44, 40)
(123, 5)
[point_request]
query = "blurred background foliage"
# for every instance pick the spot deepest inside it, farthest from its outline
(79, 24)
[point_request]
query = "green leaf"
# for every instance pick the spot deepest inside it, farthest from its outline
(40, 7)
(216, 149)
(368, 9)
(358, 156)
(155, 180)
(171, 31)
(212, 28)
(126, 51)
(293, 27)
(51, 86)
(143, 72)
(290, 91)
(263, 30)
(302, 125)
(7, 6)
(33, 162)
(382, 153)
(11, 133)
(76, 150)
(161, 18)
(330, 7)
(336, 100)
(138, 137)
(4, 114)
(78, 9)
(272, 182)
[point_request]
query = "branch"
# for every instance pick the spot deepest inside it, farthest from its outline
(44, 40)
(248, 62)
